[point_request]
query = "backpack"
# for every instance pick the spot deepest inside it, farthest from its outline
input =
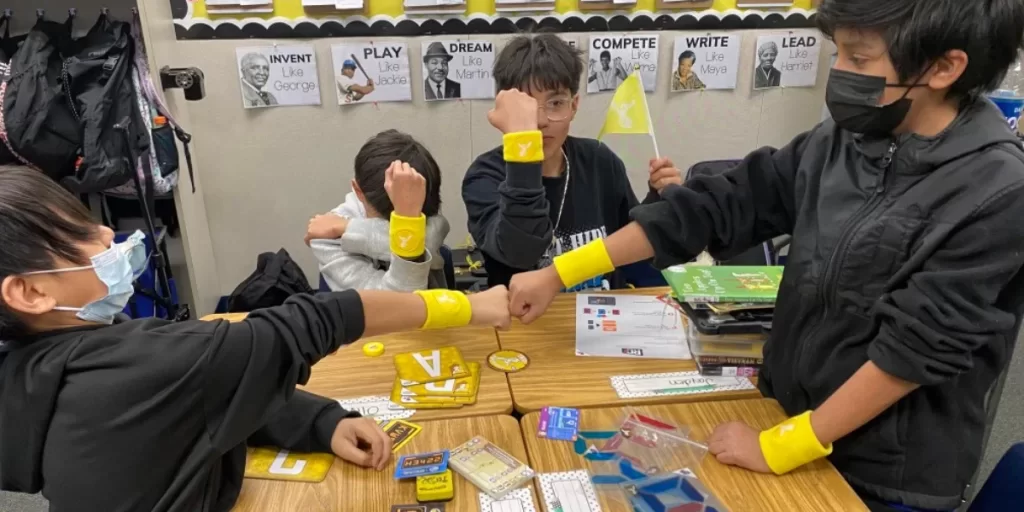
(276, 278)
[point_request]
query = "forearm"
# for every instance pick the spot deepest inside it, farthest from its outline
(868, 393)
(304, 424)
(628, 245)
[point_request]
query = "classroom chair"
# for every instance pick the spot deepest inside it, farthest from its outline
(449, 270)
(1005, 486)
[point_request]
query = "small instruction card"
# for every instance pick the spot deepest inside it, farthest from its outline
(677, 383)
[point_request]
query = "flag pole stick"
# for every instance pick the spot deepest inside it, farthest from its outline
(650, 121)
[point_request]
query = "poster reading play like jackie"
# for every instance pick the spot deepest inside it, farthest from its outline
(455, 69)
(613, 58)
(371, 72)
(705, 61)
(787, 60)
(270, 76)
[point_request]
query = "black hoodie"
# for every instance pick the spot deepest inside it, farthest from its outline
(150, 415)
(906, 252)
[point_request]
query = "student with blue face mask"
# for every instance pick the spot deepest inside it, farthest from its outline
(152, 415)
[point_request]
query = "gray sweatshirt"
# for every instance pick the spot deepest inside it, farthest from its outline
(361, 259)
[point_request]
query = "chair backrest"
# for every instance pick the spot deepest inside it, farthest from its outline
(449, 266)
(761, 255)
(1005, 485)
(323, 284)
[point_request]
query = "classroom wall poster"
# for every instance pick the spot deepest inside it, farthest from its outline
(270, 76)
(454, 69)
(787, 60)
(613, 58)
(370, 73)
(706, 61)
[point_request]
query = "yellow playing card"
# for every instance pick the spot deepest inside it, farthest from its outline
(433, 402)
(274, 464)
(462, 387)
(430, 366)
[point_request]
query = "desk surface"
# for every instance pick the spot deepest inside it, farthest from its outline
(557, 376)
(817, 486)
(349, 487)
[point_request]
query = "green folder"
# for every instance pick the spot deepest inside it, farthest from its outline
(720, 283)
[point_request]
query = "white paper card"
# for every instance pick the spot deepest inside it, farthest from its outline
(519, 500)
(454, 69)
(378, 407)
(629, 326)
(706, 61)
(348, 5)
(278, 75)
(676, 383)
(316, 3)
(366, 72)
(787, 60)
(570, 491)
(613, 58)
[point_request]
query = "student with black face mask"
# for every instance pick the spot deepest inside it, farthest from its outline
(903, 289)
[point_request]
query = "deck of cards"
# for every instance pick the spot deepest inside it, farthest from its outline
(559, 423)
(435, 379)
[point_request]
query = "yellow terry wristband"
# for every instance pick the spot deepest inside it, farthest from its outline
(446, 308)
(581, 264)
(408, 235)
(524, 147)
(792, 444)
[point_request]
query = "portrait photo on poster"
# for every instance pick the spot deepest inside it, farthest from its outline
(787, 60)
(454, 69)
(278, 75)
(613, 58)
(705, 61)
(367, 72)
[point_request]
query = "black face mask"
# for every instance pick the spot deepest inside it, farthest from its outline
(852, 99)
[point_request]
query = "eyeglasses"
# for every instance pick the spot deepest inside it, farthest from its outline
(557, 109)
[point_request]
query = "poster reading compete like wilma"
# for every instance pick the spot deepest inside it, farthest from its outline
(707, 61)
(457, 69)
(787, 60)
(613, 58)
(278, 75)
(371, 72)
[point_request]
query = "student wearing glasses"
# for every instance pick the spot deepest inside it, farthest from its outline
(543, 192)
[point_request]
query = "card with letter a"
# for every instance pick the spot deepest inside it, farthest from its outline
(274, 464)
(461, 387)
(434, 365)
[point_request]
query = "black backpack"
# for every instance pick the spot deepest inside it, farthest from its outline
(276, 278)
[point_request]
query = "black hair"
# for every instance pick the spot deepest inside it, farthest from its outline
(376, 156)
(40, 223)
(607, 54)
(687, 55)
(918, 32)
(538, 61)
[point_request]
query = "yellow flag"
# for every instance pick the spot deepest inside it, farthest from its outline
(628, 112)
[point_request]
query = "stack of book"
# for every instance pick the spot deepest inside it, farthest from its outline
(729, 312)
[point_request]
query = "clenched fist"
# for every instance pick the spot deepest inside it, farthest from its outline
(664, 173)
(406, 188)
(514, 111)
(490, 308)
(532, 293)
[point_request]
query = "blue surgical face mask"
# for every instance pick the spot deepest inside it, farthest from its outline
(117, 267)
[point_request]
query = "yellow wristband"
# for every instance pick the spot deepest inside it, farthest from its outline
(792, 444)
(446, 308)
(581, 264)
(524, 147)
(408, 235)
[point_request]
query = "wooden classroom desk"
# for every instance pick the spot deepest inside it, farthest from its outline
(816, 486)
(557, 376)
(351, 374)
(352, 488)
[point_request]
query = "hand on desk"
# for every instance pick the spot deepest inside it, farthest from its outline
(361, 441)
(530, 293)
(738, 444)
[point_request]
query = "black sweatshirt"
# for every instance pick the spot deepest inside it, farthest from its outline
(513, 209)
(906, 252)
(150, 415)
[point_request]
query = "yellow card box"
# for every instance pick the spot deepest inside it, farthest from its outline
(461, 387)
(431, 366)
(273, 464)
(439, 487)
(430, 403)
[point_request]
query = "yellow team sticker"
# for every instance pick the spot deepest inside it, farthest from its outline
(508, 361)
(274, 464)
(434, 365)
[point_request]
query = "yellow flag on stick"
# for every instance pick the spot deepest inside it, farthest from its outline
(628, 112)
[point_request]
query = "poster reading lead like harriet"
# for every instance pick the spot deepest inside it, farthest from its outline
(708, 61)
(278, 75)
(613, 58)
(787, 60)
(371, 72)
(457, 69)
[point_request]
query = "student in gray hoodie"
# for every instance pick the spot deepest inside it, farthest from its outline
(394, 175)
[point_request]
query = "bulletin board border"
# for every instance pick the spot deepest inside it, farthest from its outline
(408, 26)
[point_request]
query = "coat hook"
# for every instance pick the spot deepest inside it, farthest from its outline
(104, 11)
(8, 13)
(72, 12)
(40, 13)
